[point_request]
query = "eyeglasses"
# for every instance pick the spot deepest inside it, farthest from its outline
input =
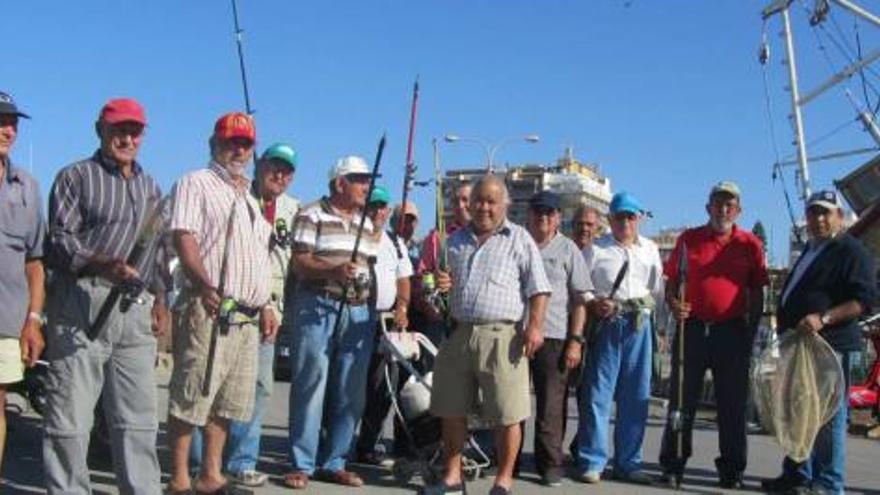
(131, 129)
(624, 216)
(240, 142)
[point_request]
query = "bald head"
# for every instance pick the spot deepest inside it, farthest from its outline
(488, 204)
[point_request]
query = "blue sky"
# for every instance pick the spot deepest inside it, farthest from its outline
(666, 95)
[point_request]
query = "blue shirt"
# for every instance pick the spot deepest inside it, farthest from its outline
(22, 230)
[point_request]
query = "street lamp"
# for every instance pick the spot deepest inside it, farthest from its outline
(490, 150)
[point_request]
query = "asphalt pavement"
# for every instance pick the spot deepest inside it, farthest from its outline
(22, 469)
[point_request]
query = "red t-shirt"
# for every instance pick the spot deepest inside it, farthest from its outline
(718, 273)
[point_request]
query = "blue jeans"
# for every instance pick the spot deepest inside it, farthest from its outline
(328, 380)
(827, 463)
(243, 443)
(618, 369)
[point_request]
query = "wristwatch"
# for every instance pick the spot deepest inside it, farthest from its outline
(577, 338)
(825, 319)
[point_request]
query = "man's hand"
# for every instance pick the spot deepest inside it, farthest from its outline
(443, 281)
(268, 324)
(160, 317)
(210, 300)
(811, 323)
(604, 307)
(572, 354)
(533, 339)
(117, 271)
(401, 320)
(31, 342)
(345, 272)
(680, 310)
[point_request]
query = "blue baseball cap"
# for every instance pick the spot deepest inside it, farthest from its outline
(626, 202)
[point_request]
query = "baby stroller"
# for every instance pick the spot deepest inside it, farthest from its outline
(411, 406)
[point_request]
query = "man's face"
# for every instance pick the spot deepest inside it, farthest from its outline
(379, 213)
(234, 154)
(354, 187)
(723, 209)
(274, 177)
(461, 209)
(121, 141)
(8, 132)
(625, 225)
(585, 228)
(487, 207)
(543, 222)
(410, 222)
(823, 223)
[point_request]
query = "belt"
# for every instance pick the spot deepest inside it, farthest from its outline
(336, 297)
(720, 323)
(249, 311)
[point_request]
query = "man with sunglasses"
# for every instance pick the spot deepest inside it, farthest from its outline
(97, 208)
(726, 273)
(829, 287)
(22, 232)
(563, 332)
(223, 242)
(329, 358)
(273, 175)
(627, 277)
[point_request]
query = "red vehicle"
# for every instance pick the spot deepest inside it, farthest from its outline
(866, 394)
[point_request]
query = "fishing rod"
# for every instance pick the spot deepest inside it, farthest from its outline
(410, 166)
(238, 41)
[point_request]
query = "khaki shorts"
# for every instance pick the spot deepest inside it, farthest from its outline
(234, 377)
(11, 366)
(481, 371)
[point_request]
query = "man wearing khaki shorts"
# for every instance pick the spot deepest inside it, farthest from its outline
(223, 243)
(21, 269)
(482, 370)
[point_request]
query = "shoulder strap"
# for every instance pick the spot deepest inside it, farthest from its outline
(394, 238)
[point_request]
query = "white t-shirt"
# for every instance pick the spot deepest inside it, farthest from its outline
(389, 268)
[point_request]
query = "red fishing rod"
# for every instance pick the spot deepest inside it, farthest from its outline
(410, 172)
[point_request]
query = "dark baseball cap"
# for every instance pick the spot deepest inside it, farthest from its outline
(545, 199)
(7, 106)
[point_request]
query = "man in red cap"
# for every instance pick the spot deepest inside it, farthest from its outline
(98, 210)
(222, 239)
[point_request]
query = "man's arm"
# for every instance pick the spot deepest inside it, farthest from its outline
(755, 301)
(191, 262)
(401, 304)
(534, 334)
(31, 340)
(577, 323)
(313, 267)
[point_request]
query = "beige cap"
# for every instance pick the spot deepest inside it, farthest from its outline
(409, 208)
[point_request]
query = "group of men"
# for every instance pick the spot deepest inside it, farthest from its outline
(525, 305)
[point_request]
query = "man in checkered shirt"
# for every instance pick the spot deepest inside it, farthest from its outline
(496, 273)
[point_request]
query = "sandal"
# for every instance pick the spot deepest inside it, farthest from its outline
(297, 480)
(340, 477)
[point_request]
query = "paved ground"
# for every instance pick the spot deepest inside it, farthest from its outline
(23, 473)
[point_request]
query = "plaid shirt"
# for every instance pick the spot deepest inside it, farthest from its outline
(492, 281)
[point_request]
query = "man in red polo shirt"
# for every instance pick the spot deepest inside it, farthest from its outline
(726, 273)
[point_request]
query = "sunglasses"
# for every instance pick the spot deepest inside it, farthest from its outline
(543, 210)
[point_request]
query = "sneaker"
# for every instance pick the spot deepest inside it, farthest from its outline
(591, 477)
(552, 478)
(499, 490)
(731, 482)
(669, 480)
(442, 488)
(249, 477)
(633, 477)
(782, 484)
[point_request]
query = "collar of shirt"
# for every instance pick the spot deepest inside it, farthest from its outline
(503, 229)
(11, 174)
(112, 167)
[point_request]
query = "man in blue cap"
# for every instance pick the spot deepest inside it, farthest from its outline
(627, 277)
(22, 230)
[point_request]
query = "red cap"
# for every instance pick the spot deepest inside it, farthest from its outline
(123, 110)
(235, 125)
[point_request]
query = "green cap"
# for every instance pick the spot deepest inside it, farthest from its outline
(282, 152)
(380, 195)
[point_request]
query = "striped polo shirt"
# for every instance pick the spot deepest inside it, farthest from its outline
(206, 203)
(94, 209)
(321, 231)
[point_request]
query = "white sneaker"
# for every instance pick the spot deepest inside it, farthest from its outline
(250, 477)
(591, 477)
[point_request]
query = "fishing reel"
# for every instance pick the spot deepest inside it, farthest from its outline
(432, 294)
(281, 236)
(131, 290)
(356, 289)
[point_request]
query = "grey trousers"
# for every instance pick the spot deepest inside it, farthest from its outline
(121, 360)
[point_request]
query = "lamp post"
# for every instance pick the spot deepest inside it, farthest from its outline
(491, 149)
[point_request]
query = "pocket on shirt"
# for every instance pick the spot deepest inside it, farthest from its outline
(503, 276)
(13, 226)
